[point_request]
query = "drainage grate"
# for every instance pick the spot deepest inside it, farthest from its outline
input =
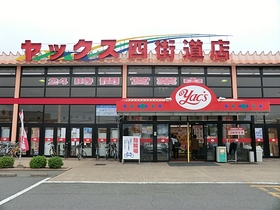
(100, 164)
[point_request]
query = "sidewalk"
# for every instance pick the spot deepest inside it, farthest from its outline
(88, 170)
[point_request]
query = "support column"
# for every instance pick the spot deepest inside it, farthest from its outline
(15, 108)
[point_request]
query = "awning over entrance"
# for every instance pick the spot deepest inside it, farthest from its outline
(192, 99)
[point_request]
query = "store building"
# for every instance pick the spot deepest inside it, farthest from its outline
(90, 95)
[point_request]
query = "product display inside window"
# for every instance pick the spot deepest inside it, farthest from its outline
(144, 131)
(238, 141)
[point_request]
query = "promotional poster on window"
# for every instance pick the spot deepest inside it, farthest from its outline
(131, 147)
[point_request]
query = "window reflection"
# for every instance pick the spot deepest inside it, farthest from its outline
(273, 116)
(237, 139)
(146, 138)
(82, 113)
(32, 113)
(56, 114)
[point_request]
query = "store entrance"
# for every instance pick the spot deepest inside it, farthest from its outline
(107, 139)
(203, 150)
(273, 140)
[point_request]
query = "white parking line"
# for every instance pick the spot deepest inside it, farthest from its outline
(108, 182)
(23, 191)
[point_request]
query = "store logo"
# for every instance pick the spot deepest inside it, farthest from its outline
(193, 97)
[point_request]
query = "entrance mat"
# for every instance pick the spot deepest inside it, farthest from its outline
(100, 164)
(194, 164)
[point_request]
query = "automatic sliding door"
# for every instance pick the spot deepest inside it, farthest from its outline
(273, 142)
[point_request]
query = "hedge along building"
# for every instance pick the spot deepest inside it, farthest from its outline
(71, 96)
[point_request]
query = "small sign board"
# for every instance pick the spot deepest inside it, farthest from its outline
(131, 148)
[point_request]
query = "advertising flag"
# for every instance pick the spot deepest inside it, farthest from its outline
(23, 138)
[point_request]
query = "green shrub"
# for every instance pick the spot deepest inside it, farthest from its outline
(55, 162)
(7, 162)
(38, 162)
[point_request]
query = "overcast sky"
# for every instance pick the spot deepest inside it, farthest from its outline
(254, 25)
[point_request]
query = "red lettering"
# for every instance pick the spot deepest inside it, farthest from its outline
(191, 97)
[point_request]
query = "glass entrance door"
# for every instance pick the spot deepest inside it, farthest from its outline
(198, 131)
(107, 136)
(207, 135)
(273, 141)
(35, 141)
(56, 135)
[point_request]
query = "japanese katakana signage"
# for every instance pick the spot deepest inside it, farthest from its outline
(136, 48)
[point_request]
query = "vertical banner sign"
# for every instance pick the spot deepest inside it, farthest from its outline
(131, 148)
(23, 139)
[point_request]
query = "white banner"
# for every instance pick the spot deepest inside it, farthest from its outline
(131, 148)
(23, 137)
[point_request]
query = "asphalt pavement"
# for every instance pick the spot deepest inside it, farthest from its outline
(111, 171)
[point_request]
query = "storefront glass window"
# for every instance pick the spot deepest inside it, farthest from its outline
(32, 92)
(57, 92)
(163, 92)
(249, 92)
(56, 114)
(192, 70)
(222, 92)
(7, 82)
(273, 116)
(7, 92)
(248, 82)
(272, 92)
(166, 70)
(145, 131)
(273, 142)
(33, 81)
(223, 81)
(5, 134)
(237, 139)
(58, 70)
(32, 113)
(84, 70)
(109, 70)
(139, 70)
(6, 113)
(163, 146)
(109, 92)
(82, 113)
(140, 92)
(218, 70)
(83, 92)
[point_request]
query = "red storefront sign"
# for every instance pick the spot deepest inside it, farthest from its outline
(48, 139)
(101, 140)
(114, 140)
(75, 139)
(5, 139)
(35, 139)
(61, 139)
(146, 140)
(236, 131)
(212, 139)
(259, 140)
(244, 140)
(137, 49)
(191, 98)
(162, 140)
(87, 140)
(273, 139)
